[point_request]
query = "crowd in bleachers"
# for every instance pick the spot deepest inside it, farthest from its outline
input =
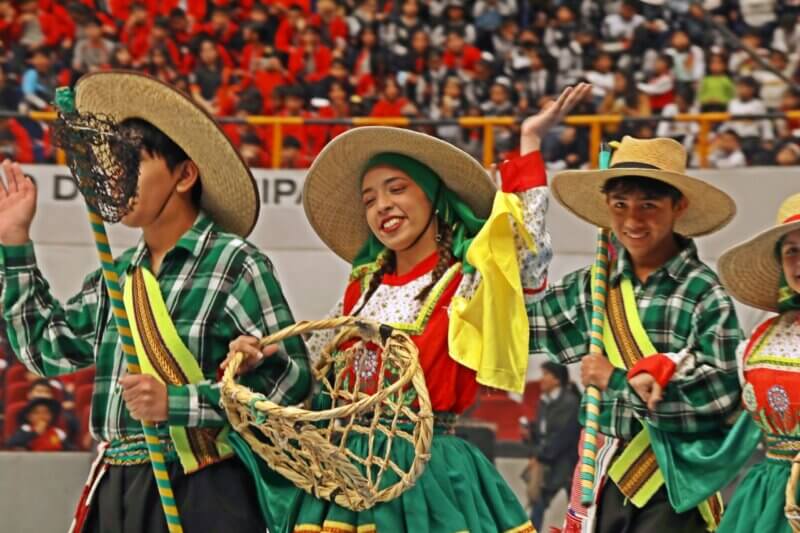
(420, 58)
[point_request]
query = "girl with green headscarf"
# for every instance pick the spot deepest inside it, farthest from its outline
(452, 269)
(764, 272)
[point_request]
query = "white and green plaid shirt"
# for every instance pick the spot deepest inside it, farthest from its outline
(684, 309)
(216, 286)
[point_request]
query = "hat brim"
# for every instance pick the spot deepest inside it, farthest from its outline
(332, 191)
(230, 194)
(580, 191)
(750, 271)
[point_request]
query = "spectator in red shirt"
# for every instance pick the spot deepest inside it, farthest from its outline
(288, 34)
(333, 28)
(39, 28)
(268, 76)
(37, 428)
(15, 142)
(293, 155)
(136, 29)
(157, 36)
(392, 103)
(310, 61)
(221, 28)
(254, 152)
(254, 47)
(179, 25)
(9, 28)
(460, 55)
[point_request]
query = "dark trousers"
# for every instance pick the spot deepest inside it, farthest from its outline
(615, 515)
(219, 498)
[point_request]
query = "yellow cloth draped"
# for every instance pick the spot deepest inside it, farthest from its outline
(489, 332)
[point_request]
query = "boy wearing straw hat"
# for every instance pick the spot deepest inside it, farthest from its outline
(669, 336)
(190, 286)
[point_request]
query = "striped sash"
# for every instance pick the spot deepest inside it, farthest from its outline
(163, 355)
(636, 471)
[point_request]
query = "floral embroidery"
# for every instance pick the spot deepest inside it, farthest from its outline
(749, 398)
(778, 399)
(366, 363)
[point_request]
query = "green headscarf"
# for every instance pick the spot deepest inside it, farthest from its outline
(788, 298)
(463, 223)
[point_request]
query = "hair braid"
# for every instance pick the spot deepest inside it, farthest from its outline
(387, 267)
(445, 248)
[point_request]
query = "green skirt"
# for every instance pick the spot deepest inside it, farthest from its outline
(459, 490)
(757, 504)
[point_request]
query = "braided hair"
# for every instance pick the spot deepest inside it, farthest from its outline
(444, 245)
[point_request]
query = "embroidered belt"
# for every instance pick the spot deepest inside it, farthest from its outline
(782, 448)
(129, 451)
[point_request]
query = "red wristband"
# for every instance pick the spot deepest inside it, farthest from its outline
(658, 365)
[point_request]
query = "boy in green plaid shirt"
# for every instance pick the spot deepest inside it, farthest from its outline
(196, 202)
(687, 384)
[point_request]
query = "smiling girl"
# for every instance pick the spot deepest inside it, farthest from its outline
(440, 254)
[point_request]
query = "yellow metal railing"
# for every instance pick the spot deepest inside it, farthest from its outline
(595, 123)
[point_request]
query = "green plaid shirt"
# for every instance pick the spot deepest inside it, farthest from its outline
(216, 286)
(683, 308)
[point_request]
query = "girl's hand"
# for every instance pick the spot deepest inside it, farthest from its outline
(253, 353)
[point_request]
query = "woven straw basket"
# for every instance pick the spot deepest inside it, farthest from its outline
(792, 510)
(309, 447)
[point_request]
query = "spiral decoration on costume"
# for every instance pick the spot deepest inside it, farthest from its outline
(778, 399)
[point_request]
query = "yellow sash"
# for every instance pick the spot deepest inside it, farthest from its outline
(636, 471)
(163, 355)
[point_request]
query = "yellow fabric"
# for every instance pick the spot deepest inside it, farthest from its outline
(489, 332)
(179, 353)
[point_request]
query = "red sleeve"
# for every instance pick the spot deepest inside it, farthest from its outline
(174, 54)
(295, 63)
(24, 152)
(351, 295)
(338, 29)
(657, 365)
(523, 173)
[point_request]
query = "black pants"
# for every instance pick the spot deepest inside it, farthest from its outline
(615, 515)
(219, 498)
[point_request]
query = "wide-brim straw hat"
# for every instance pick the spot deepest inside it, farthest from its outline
(332, 191)
(662, 159)
(751, 271)
(230, 195)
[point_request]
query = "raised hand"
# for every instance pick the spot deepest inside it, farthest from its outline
(17, 205)
(536, 126)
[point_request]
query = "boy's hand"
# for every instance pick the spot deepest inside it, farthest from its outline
(17, 205)
(596, 370)
(647, 388)
(254, 355)
(535, 127)
(145, 397)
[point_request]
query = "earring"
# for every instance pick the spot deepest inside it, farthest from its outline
(438, 237)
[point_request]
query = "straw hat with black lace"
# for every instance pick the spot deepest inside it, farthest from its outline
(230, 195)
(662, 159)
(751, 271)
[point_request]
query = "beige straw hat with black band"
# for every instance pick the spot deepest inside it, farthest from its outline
(751, 271)
(662, 159)
(230, 195)
(332, 191)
